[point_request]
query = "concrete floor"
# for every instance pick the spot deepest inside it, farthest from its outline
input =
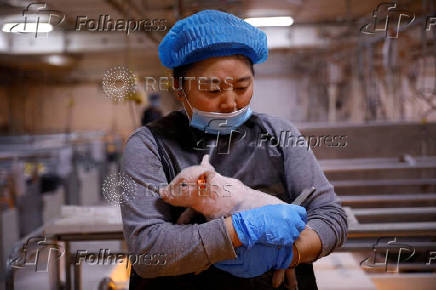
(335, 272)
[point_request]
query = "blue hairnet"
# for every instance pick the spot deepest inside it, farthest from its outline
(211, 33)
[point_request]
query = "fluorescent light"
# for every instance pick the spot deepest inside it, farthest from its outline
(57, 60)
(270, 21)
(30, 27)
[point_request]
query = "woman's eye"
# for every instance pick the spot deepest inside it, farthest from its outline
(215, 91)
(241, 89)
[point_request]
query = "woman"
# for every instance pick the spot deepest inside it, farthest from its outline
(212, 55)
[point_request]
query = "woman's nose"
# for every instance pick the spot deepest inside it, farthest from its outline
(228, 103)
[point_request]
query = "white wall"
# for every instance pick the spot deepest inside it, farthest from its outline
(277, 96)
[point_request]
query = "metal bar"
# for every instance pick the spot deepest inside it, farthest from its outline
(394, 211)
(400, 267)
(357, 245)
(54, 273)
(67, 266)
(422, 229)
(18, 248)
(372, 215)
(116, 235)
(349, 200)
(10, 273)
(371, 166)
(68, 258)
(384, 182)
(77, 277)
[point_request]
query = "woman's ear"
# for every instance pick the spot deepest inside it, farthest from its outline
(178, 89)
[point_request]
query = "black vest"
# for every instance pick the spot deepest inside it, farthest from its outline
(212, 278)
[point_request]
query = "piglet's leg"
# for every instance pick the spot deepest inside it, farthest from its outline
(291, 279)
(186, 216)
(278, 277)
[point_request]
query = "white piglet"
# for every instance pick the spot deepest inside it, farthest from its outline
(203, 190)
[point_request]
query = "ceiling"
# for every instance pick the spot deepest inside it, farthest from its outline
(303, 11)
(91, 51)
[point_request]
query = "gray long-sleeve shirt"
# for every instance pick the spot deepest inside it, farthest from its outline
(283, 170)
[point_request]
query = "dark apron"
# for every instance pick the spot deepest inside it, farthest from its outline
(212, 278)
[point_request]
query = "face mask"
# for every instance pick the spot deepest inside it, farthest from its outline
(155, 103)
(214, 122)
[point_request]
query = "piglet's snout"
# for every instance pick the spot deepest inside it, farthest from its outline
(164, 192)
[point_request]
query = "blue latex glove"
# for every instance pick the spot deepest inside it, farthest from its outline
(277, 225)
(257, 260)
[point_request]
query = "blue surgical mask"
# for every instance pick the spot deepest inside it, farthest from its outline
(214, 122)
(155, 103)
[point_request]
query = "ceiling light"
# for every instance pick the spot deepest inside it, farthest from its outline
(27, 27)
(270, 21)
(58, 60)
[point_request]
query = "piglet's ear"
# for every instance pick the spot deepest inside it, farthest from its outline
(206, 164)
(205, 160)
(210, 174)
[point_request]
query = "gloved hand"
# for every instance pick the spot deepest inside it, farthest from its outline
(257, 260)
(278, 224)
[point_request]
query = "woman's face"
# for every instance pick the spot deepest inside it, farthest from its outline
(219, 84)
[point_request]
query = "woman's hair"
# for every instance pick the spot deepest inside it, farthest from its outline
(181, 71)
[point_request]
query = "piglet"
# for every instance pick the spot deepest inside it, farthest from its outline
(201, 189)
